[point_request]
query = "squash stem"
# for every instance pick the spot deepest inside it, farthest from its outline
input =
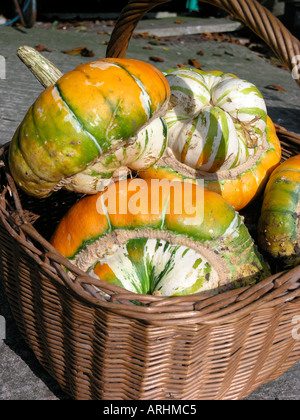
(45, 71)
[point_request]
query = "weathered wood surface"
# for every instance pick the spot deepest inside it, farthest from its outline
(20, 88)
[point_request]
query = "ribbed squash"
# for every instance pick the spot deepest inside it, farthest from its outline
(156, 237)
(279, 223)
(95, 122)
(218, 131)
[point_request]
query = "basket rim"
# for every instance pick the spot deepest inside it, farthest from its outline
(275, 290)
(253, 14)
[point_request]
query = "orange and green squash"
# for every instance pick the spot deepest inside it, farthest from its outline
(218, 132)
(96, 122)
(279, 222)
(158, 237)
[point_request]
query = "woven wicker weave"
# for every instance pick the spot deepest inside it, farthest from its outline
(102, 346)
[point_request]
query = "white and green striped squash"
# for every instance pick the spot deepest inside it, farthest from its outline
(216, 121)
(161, 252)
(279, 222)
(219, 131)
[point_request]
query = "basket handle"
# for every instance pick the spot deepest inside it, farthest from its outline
(257, 17)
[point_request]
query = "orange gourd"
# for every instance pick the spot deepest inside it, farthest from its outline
(95, 122)
(279, 222)
(156, 237)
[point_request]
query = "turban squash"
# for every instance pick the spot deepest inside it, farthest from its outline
(93, 123)
(279, 222)
(219, 132)
(161, 238)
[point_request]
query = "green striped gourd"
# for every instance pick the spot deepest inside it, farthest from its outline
(217, 120)
(279, 223)
(201, 247)
(219, 131)
(97, 121)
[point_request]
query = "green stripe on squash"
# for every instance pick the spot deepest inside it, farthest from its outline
(279, 223)
(161, 252)
(89, 113)
(249, 149)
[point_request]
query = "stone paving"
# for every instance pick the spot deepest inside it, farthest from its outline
(21, 376)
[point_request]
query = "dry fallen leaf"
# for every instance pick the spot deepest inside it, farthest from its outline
(156, 59)
(41, 48)
(85, 52)
(275, 61)
(193, 63)
(75, 51)
(275, 87)
(142, 35)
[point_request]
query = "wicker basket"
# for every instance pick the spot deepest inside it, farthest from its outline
(102, 346)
